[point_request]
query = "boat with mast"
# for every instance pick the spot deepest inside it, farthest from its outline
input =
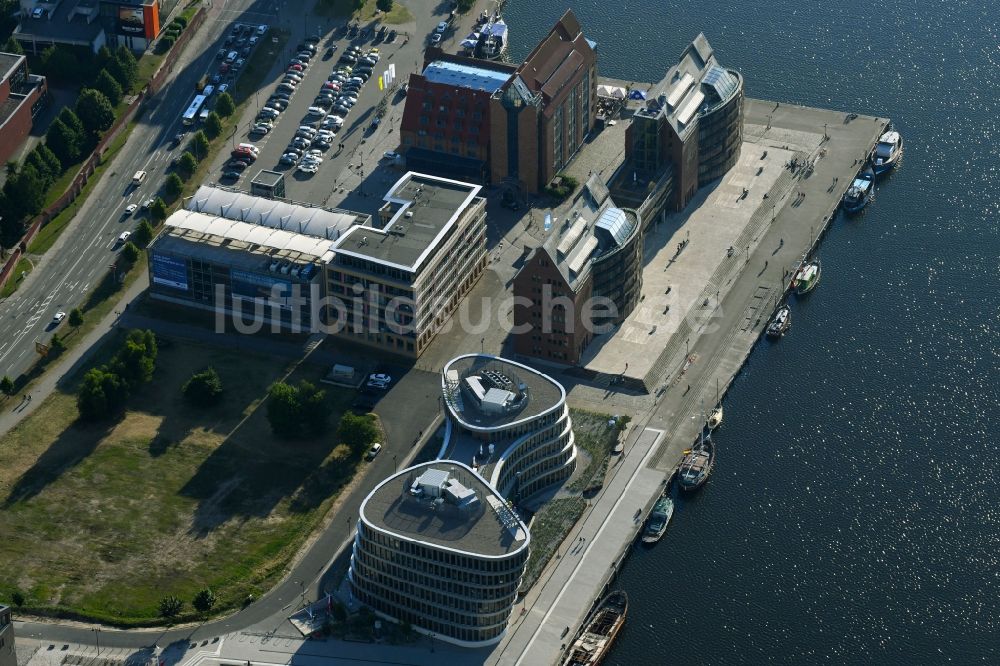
(696, 465)
(597, 637)
(715, 418)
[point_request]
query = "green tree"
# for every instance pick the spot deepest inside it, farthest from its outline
(136, 359)
(204, 600)
(314, 413)
(6, 386)
(129, 66)
(199, 145)
(24, 192)
(357, 431)
(41, 167)
(56, 345)
(64, 143)
(384, 5)
(75, 318)
(174, 186)
(18, 598)
(109, 87)
(95, 111)
(187, 164)
(130, 253)
(224, 105)
(204, 388)
(158, 211)
(101, 394)
(59, 64)
(283, 409)
(68, 116)
(213, 125)
(13, 46)
(170, 606)
(103, 57)
(143, 234)
(50, 159)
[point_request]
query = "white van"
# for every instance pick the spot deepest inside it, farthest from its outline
(139, 178)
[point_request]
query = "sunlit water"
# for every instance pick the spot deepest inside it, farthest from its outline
(854, 513)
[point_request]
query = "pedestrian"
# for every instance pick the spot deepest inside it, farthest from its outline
(765, 263)
(781, 243)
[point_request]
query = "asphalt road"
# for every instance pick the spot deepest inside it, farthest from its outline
(80, 258)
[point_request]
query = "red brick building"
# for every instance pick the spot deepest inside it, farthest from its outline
(445, 128)
(542, 115)
(21, 97)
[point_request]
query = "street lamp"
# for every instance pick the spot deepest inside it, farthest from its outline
(97, 635)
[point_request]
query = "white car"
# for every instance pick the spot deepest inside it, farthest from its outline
(316, 111)
(307, 168)
(125, 235)
(442, 26)
(261, 29)
(148, 203)
(223, 87)
(59, 316)
(372, 452)
(131, 208)
(436, 38)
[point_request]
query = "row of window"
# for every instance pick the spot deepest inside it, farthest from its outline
(402, 597)
(425, 553)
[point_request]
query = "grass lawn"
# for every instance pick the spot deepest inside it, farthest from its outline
(23, 266)
(595, 437)
(548, 529)
(102, 521)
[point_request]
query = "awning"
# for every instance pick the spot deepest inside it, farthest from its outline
(611, 91)
(637, 94)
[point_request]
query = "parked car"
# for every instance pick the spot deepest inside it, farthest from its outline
(391, 155)
(392, 37)
(300, 142)
(221, 55)
(329, 52)
(373, 451)
(239, 63)
(131, 208)
(59, 316)
(123, 237)
(305, 55)
(436, 38)
(261, 29)
(223, 87)
(231, 175)
(236, 165)
(287, 159)
(315, 111)
(287, 87)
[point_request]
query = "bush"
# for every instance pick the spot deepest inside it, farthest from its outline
(296, 410)
(384, 5)
(204, 389)
(204, 600)
(170, 606)
(6, 386)
(105, 389)
(465, 5)
(357, 431)
(562, 187)
(75, 318)
(18, 598)
(165, 44)
(181, 21)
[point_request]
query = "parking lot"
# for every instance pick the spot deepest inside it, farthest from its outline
(354, 151)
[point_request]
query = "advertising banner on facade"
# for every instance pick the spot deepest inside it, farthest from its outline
(170, 272)
(130, 20)
(254, 285)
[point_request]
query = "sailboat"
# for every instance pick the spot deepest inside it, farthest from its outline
(715, 418)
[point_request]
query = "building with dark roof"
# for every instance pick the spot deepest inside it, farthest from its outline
(509, 422)
(540, 117)
(8, 656)
(88, 23)
(688, 133)
(585, 277)
(403, 276)
(438, 547)
(445, 127)
(22, 96)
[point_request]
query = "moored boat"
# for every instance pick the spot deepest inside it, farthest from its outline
(887, 152)
(807, 276)
(861, 191)
(715, 418)
(696, 465)
(781, 322)
(658, 520)
(599, 634)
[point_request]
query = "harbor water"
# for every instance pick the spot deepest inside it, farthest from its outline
(854, 512)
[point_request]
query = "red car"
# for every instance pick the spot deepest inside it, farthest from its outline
(244, 155)
(224, 68)
(331, 86)
(295, 68)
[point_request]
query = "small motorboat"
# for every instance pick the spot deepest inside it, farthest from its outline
(715, 418)
(781, 323)
(861, 191)
(659, 518)
(887, 153)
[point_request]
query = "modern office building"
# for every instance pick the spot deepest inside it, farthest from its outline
(688, 134)
(8, 656)
(438, 547)
(88, 23)
(540, 117)
(445, 127)
(585, 278)
(403, 276)
(22, 96)
(508, 422)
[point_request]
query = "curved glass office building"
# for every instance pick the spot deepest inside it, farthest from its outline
(509, 422)
(437, 546)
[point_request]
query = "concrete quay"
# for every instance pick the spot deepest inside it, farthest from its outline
(746, 289)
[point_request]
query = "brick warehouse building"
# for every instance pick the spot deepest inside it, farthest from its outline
(541, 116)
(21, 98)
(489, 122)
(446, 121)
